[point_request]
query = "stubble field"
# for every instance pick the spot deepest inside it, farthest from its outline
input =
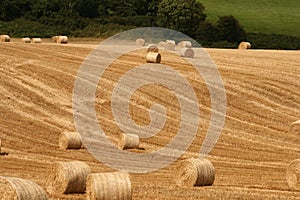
(250, 158)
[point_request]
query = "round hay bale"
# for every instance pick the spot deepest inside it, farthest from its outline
(110, 186)
(62, 39)
(70, 140)
(153, 57)
(161, 44)
(293, 175)
(244, 45)
(36, 40)
(195, 172)
(170, 45)
(183, 44)
(187, 52)
(171, 41)
(54, 38)
(26, 40)
(295, 127)
(4, 38)
(129, 141)
(140, 42)
(0, 144)
(67, 177)
(20, 189)
(152, 48)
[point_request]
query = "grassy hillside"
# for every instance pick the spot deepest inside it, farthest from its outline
(265, 16)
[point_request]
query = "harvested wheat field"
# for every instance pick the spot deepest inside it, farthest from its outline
(250, 158)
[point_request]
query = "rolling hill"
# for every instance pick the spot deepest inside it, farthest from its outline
(259, 16)
(251, 156)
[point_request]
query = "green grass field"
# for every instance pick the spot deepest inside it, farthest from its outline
(259, 16)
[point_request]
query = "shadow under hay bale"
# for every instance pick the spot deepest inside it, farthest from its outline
(195, 172)
(70, 140)
(295, 127)
(293, 175)
(129, 141)
(67, 177)
(153, 57)
(20, 189)
(110, 186)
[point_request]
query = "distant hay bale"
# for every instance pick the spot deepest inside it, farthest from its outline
(161, 44)
(26, 40)
(54, 38)
(293, 175)
(20, 189)
(153, 57)
(187, 52)
(62, 39)
(244, 45)
(109, 186)
(183, 44)
(67, 177)
(295, 127)
(4, 38)
(129, 141)
(152, 48)
(70, 140)
(170, 45)
(140, 42)
(36, 40)
(171, 41)
(195, 172)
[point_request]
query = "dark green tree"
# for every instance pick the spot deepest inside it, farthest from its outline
(181, 15)
(87, 8)
(206, 33)
(229, 29)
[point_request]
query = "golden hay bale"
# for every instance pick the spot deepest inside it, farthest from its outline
(129, 141)
(183, 44)
(244, 45)
(20, 189)
(293, 175)
(153, 57)
(26, 40)
(67, 177)
(161, 44)
(36, 40)
(4, 38)
(152, 48)
(195, 172)
(0, 144)
(187, 52)
(170, 45)
(62, 39)
(110, 186)
(295, 127)
(54, 38)
(140, 42)
(70, 140)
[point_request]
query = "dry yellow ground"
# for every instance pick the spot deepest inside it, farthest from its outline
(251, 156)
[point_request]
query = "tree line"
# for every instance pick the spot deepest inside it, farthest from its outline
(103, 18)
